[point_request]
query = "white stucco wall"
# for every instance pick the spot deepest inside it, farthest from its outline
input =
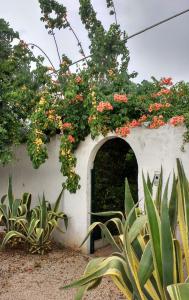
(152, 148)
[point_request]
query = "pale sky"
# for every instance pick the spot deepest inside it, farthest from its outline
(163, 51)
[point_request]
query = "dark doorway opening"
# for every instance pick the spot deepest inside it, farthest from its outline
(114, 162)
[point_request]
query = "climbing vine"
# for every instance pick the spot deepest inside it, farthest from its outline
(99, 96)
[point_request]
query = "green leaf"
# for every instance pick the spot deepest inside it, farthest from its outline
(146, 266)
(179, 291)
(159, 191)
(137, 227)
(10, 193)
(108, 236)
(129, 203)
(167, 242)
(10, 235)
(154, 229)
(57, 203)
(173, 205)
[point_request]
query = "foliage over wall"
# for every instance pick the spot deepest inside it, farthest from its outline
(19, 87)
(97, 98)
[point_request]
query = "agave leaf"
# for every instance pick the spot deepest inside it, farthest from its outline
(57, 203)
(146, 265)
(108, 214)
(39, 232)
(118, 224)
(3, 198)
(154, 230)
(173, 205)
(10, 193)
(1, 216)
(179, 291)
(182, 214)
(43, 213)
(32, 226)
(52, 223)
(179, 261)
(129, 203)
(167, 243)
(23, 210)
(137, 227)
(10, 235)
(108, 236)
(159, 191)
(113, 266)
(149, 183)
(185, 190)
(15, 206)
(81, 291)
(131, 260)
(26, 199)
(3, 209)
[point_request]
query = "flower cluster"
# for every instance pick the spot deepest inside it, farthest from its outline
(120, 98)
(104, 106)
(142, 119)
(158, 106)
(177, 120)
(123, 131)
(166, 81)
(162, 92)
(134, 123)
(79, 97)
(157, 121)
(66, 125)
(71, 139)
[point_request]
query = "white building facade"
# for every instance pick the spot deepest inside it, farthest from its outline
(153, 148)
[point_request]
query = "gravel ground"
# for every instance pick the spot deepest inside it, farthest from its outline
(34, 277)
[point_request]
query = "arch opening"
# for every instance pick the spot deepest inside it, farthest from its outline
(114, 161)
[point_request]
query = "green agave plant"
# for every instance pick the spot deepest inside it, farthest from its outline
(36, 230)
(150, 263)
(12, 210)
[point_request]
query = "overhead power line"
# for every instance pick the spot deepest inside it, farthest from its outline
(141, 31)
(157, 24)
(126, 39)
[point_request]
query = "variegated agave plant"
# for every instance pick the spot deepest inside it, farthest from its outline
(150, 262)
(33, 227)
(12, 210)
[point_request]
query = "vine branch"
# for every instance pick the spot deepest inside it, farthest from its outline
(75, 35)
(34, 45)
(56, 45)
(115, 14)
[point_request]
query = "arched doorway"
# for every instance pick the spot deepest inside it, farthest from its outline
(114, 161)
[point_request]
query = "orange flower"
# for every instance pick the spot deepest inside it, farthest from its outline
(123, 131)
(167, 104)
(66, 125)
(158, 106)
(104, 106)
(166, 81)
(134, 123)
(142, 118)
(78, 79)
(79, 97)
(91, 118)
(177, 120)
(162, 92)
(157, 121)
(71, 138)
(120, 98)
(165, 91)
